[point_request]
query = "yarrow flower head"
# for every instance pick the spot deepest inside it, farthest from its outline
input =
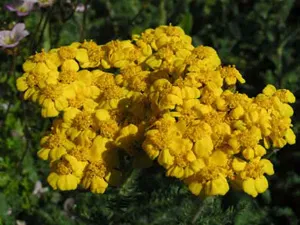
(155, 97)
(11, 38)
(21, 7)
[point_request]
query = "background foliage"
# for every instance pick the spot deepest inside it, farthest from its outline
(260, 37)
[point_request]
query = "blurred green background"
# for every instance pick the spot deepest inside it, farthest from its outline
(261, 37)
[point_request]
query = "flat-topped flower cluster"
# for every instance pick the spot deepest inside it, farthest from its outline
(155, 94)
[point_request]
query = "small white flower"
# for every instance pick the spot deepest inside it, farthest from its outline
(38, 189)
(11, 38)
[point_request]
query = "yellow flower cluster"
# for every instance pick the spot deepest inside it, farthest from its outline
(155, 94)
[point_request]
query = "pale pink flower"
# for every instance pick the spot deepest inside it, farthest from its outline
(21, 7)
(11, 38)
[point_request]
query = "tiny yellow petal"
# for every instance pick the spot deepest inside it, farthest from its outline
(267, 166)
(269, 90)
(43, 153)
(28, 66)
(22, 84)
(259, 150)
(203, 147)
(261, 184)
(98, 185)
(70, 65)
(52, 180)
(218, 186)
(102, 114)
(219, 158)
(176, 171)
(49, 110)
(67, 182)
(82, 55)
(249, 187)
(165, 158)
(290, 136)
(195, 188)
(238, 164)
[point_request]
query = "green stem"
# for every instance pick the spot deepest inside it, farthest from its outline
(27, 135)
(280, 50)
(83, 25)
(198, 213)
(142, 9)
(26, 130)
(273, 151)
(202, 202)
(11, 73)
(44, 27)
(162, 12)
(111, 16)
(32, 41)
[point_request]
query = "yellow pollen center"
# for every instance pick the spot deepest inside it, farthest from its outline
(95, 54)
(40, 57)
(172, 31)
(235, 100)
(208, 174)
(197, 131)
(252, 170)
(108, 128)
(52, 91)
(22, 9)
(105, 81)
(67, 52)
(96, 169)
(82, 121)
(165, 53)
(114, 92)
(63, 167)
(76, 102)
(181, 161)
(67, 77)
(32, 80)
(54, 141)
(214, 118)
(202, 52)
(80, 154)
(89, 45)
